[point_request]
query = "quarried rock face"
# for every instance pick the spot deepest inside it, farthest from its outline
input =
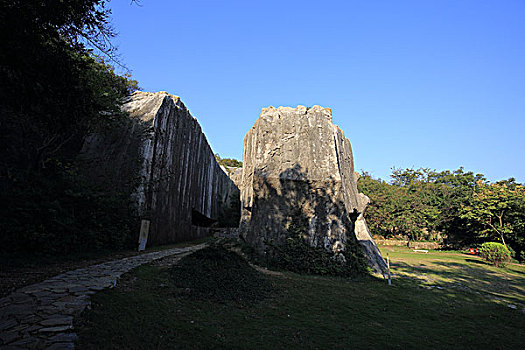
(181, 187)
(297, 162)
(236, 175)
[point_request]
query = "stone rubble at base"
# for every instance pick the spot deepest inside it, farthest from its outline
(40, 316)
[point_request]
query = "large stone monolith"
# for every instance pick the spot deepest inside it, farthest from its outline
(297, 161)
(161, 147)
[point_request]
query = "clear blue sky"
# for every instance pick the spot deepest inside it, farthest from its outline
(437, 84)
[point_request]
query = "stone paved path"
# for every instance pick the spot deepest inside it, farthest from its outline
(40, 316)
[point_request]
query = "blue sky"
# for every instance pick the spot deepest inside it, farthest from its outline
(437, 84)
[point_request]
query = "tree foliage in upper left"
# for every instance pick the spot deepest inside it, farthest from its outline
(54, 91)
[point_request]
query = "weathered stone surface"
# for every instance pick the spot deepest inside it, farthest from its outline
(25, 342)
(64, 337)
(4, 301)
(182, 188)
(297, 161)
(56, 329)
(61, 346)
(58, 320)
(235, 175)
(7, 324)
(7, 337)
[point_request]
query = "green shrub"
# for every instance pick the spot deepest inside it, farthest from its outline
(495, 253)
(297, 255)
(218, 274)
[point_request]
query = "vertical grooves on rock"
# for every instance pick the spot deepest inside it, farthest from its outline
(177, 166)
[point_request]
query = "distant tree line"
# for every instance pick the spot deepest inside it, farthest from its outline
(460, 207)
(54, 90)
(228, 162)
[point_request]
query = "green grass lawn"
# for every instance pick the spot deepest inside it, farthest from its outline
(453, 270)
(147, 310)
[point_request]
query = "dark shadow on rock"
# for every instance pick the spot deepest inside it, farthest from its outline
(277, 202)
(161, 156)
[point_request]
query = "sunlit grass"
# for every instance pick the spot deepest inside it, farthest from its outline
(459, 270)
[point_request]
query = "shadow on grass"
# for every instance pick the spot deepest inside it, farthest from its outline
(504, 284)
(480, 262)
(516, 271)
(306, 312)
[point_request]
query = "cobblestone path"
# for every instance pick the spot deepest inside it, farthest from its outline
(40, 316)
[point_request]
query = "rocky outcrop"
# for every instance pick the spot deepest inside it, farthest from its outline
(296, 162)
(181, 187)
(236, 176)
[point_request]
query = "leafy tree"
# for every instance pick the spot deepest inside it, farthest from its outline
(405, 207)
(492, 205)
(53, 92)
(460, 206)
(455, 188)
(379, 213)
(228, 162)
(75, 21)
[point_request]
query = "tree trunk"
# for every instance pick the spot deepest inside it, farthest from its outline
(498, 231)
(501, 226)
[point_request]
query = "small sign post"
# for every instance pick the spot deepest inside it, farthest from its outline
(144, 231)
(388, 265)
